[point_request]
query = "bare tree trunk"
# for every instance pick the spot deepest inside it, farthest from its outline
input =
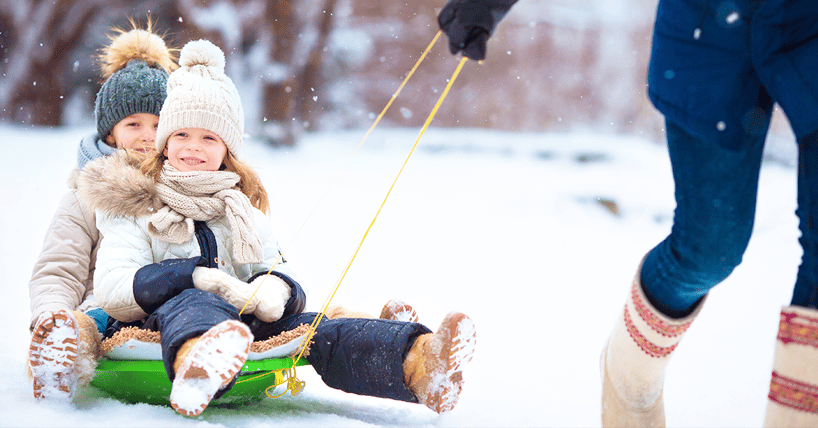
(279, 101)
(311, 80)
(43, 34)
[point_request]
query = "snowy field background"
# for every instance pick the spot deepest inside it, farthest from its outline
(506, 227)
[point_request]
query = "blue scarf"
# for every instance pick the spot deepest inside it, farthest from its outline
(92, 148)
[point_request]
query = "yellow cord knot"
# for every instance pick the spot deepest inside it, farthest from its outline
(294, 386)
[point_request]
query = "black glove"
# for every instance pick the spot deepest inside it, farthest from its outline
(469, 24)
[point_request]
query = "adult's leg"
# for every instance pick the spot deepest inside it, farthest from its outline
(715, 208)
(793, 396)
(805, 293)
(716, 194)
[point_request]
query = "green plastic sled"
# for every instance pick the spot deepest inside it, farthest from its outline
(146, 381)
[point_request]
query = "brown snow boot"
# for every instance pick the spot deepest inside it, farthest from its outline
(63, 354)
(394, 310)
(397, 310)
(634, 360)
(433, 368)
(334, 312)
(793, 398)
(208, 363)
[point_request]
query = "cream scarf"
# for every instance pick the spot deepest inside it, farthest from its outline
(202, 196)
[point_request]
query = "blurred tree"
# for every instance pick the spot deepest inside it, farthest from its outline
(38, 36)
(316, 64)
(274, 50)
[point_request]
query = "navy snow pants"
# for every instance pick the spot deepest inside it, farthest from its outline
(360, 356)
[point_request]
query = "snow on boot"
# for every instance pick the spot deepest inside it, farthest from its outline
(63, 354)
(793, 398)
(397, 310)
(634, 360)
(433, 367)
(206, 364)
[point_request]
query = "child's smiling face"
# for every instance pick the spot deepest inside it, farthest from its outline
(135, 132)
(195, 149)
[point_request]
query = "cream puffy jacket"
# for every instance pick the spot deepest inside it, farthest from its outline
(63, 273)
(128, 246)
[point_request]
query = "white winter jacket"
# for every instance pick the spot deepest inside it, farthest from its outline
(125, 199)
(127, 246)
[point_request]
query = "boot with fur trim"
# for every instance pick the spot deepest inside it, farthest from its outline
(634, 360)
(433, 367)
(208, 363)
(793, 398)
(63, 354)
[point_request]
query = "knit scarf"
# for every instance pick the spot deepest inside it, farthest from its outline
(202, 196)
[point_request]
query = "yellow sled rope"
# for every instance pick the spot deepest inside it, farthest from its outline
(294, 385)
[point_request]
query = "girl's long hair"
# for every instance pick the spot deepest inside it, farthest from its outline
(250, 184)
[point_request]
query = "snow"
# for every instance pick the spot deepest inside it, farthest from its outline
(517, 230)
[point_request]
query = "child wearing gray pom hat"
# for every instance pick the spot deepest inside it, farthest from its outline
(135, 69)
(65, 320)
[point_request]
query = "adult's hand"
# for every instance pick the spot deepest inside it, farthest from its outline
(470, 23)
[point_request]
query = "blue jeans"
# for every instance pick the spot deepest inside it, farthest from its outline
(716, 189)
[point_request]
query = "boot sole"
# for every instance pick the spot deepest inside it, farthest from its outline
(52, 355)
(457, 352)
(214, 361)
(397, 310)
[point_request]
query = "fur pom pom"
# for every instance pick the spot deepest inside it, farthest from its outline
(202, 52)
(135, 44)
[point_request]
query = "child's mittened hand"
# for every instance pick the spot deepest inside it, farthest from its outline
(272, 295)
(234, 290)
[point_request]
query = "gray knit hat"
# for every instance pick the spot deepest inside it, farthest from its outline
(200, 95)
(135, 66)
(137, 88)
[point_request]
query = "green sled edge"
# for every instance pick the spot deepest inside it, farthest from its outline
(139, 381)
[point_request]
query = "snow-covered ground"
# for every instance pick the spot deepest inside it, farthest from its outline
(509, 228)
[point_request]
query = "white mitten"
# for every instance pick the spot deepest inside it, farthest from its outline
(234, 290)
(271, 297)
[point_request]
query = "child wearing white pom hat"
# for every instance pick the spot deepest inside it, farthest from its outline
(187, 244)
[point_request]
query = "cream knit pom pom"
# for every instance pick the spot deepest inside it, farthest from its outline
(202, 52)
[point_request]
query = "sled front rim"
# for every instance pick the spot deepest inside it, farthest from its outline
(147, 382)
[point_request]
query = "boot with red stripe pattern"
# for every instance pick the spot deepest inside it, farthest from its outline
(793, 397)
(634, 360)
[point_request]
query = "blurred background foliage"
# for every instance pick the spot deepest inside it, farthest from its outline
(305, 65)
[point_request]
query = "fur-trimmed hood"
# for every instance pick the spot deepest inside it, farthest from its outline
(115, 185)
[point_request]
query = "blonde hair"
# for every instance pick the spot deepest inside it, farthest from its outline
(250, 184)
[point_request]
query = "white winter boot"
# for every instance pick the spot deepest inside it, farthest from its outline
(433, 368)
(63, 354)
(208, 363)
(793, 398)
(634, 359)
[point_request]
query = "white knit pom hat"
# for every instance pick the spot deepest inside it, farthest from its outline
(200, 95)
